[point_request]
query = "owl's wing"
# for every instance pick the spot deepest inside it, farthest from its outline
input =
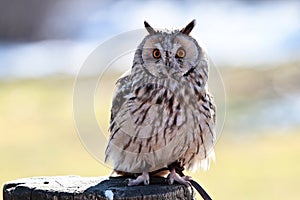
(123, 86)
(212, 106)
(207, 122)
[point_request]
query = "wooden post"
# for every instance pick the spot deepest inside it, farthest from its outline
(96, 188)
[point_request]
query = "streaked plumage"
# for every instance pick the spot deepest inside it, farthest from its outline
(162, 111)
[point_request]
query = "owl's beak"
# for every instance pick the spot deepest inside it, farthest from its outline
(167, 61)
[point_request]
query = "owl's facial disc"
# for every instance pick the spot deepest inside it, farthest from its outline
(167, 55)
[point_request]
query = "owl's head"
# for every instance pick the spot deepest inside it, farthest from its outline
(173, 54)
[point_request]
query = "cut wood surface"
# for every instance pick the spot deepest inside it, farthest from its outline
(76, 187)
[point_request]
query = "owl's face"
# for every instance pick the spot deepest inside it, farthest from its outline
(170, 55)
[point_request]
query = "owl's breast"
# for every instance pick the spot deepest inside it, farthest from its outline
(160, 124)
(158, 106)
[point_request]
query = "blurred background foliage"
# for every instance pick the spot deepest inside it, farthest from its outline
(255, 46)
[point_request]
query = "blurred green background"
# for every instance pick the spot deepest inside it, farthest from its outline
(41, 52)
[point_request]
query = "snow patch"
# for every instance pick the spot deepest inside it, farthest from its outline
(109, 194)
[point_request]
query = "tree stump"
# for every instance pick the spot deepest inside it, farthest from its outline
(76, 188)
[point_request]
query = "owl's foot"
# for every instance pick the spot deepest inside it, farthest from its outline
(144, 178)
(173, 176)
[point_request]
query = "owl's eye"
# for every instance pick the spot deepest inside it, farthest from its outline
(180, 53)
(156, 53)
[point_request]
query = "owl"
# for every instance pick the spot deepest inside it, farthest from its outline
(162, 111)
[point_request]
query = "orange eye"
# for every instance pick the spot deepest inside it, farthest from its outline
(156, 53)
(180, 53)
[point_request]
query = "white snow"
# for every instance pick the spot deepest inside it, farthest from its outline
(109, 194)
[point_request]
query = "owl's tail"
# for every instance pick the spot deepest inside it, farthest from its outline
(203, 164)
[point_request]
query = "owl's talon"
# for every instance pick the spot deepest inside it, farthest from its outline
(170, 180)
(146, 182)
(144, 178)
(127, 180)
(173, 176)
(187, 178)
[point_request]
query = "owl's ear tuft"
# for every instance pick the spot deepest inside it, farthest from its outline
(150, 30)
(186, 30)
